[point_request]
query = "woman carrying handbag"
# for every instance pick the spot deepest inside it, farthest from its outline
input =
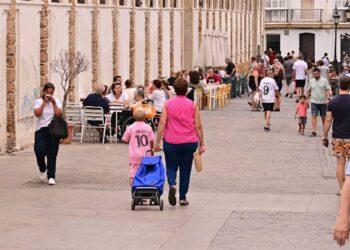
(45, 146)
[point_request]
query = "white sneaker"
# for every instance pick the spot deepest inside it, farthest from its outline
(51, 181)
(42, 176)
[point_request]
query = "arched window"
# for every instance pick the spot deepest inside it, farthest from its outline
(175, 3)
(102, 2)
(151, 4)
(81, 1)
(121, 3)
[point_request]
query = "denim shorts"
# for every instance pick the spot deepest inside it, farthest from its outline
(318, 109)
(302, 120)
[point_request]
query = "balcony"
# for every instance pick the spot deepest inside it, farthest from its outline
(293, 15)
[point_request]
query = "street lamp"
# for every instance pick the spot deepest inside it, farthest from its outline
(336, 18)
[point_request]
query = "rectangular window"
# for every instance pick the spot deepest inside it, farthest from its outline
(276, 3)
(138, 3)
(121, 2)
(273, 42)
(81, 1)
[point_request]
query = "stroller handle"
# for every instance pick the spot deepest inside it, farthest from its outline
(152, 151)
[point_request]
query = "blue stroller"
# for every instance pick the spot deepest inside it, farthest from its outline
(148, 184)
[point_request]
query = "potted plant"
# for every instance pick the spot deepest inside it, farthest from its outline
(68, 66)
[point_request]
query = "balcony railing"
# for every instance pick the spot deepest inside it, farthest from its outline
(293, 15)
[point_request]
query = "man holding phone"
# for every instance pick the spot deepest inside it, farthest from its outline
(338, 113)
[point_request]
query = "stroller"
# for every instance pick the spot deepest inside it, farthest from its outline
(148, 184)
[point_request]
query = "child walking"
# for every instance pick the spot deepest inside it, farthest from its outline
(140, 137)
(301, 113)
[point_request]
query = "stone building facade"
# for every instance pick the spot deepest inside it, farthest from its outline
(141, 40)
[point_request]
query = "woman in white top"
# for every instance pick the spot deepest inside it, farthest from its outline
(158, 96)
(129, 89)
(45, 108)
(117, 96)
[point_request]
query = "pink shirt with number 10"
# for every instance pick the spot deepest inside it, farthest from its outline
(139, 135)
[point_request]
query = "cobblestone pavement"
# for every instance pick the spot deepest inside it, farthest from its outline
(258, 190)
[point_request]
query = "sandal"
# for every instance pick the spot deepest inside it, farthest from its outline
(338, 193)
(184, 203)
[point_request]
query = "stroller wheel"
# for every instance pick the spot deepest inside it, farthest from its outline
(133, 204)
(161, 205)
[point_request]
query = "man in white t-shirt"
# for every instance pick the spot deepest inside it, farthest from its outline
(300, 72)
(268, 89)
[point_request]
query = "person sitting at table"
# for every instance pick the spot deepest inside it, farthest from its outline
(97, 100)
(157, 96)
(117, 96)
(129, 89)
(195, 83)
(212, 77)
(117, 79)
(167, 90)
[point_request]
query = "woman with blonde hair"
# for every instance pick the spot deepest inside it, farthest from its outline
(253, 81)
(278, 76)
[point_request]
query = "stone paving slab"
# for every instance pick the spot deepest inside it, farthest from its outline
(257, 191)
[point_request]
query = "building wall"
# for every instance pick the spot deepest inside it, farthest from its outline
(3, 110)
(291, 42)
(29, 59)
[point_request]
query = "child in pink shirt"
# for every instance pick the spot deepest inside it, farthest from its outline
(301, 113)
(140, 137)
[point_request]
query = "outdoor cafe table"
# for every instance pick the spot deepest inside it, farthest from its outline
(116, 108)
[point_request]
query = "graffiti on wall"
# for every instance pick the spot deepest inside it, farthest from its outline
(28, 89)
(27, 103)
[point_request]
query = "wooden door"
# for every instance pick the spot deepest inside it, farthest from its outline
(307, 45)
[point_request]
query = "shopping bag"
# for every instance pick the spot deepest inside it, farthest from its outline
(198, 161)
(256, 97)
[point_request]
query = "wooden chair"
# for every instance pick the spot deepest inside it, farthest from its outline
(227, 93)
(198, 98)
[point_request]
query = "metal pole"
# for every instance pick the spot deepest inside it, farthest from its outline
(335, 49)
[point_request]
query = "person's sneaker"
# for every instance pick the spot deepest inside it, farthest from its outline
(286, 95)
(51, 181)
(42, 176)
(172, 196)
(184, 203)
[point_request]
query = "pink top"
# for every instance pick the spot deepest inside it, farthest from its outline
(302, 109)
(180, 125)
(139, 135)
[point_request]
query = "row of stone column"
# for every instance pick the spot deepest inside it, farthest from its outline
(44, 41)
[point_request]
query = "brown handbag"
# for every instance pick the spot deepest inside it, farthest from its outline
(198, 163)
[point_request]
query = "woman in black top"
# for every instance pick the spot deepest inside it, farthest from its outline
(279, 75)
(253, 82)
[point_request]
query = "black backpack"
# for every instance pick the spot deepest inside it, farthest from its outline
(58, 128)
